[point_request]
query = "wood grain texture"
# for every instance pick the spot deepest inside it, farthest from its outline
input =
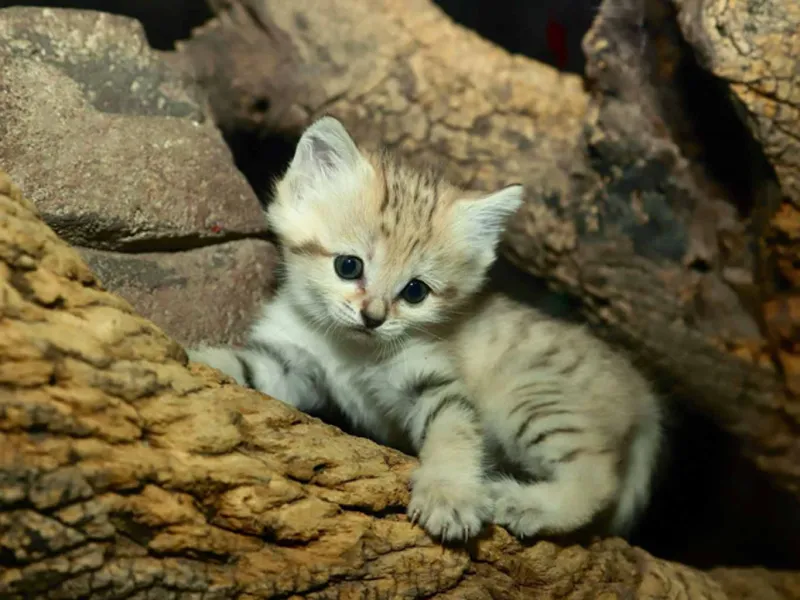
(755, 49)
(127, 474)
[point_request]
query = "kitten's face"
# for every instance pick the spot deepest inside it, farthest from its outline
(374, 250)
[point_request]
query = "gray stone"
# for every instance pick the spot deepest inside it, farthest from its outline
(110, 139)
(114, 144)
(209, 294)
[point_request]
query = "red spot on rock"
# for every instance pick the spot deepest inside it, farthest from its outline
(216, 229)
(557, 41)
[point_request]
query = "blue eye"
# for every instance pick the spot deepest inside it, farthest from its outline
(415, 291)
(348, 267)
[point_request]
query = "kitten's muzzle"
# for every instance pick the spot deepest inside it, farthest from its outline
(372, 321)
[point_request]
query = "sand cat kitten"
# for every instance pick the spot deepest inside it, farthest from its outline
(386, 314)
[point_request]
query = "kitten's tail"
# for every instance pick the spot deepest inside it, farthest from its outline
(638, 477)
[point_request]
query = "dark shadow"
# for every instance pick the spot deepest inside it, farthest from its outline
(261, 158)
(712, 507)
(549, 31)
(703, 116)
(533, 291)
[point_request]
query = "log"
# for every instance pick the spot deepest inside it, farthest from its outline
(126, 473)
(659, 198)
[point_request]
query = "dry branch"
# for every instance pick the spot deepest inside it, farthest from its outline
(124, 474)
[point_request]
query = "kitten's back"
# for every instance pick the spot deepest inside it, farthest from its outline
(510, 351)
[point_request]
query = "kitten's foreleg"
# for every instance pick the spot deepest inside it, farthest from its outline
(223, 359)
(449, 498)
(286, 373)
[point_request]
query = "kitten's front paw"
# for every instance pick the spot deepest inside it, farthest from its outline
(513, 509)
(450, 507)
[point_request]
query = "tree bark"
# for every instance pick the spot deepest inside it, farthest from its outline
(658, 197)
(127, 474)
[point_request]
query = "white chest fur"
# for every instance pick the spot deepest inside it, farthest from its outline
(369, 384)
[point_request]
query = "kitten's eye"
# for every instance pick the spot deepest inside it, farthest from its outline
(348, 267)
(415, 291)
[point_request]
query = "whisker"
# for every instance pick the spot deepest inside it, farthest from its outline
(427, 332)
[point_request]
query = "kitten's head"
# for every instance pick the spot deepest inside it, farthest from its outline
(375, 249)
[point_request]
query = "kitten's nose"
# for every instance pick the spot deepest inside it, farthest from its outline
(372, 321)
(373, 313)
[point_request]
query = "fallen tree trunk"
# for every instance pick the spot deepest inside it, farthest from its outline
(659, 199)
(125, 474)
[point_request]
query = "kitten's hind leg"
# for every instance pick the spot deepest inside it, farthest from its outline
(571, 461)
(580, 487)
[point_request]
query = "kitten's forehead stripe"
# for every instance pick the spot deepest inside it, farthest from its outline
(411, 202)
(386, 196)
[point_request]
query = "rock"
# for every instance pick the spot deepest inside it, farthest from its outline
(202, 295)
(126, 473)
(114, 145)
(117, 151)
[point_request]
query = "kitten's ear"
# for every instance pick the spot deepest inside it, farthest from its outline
(483, 220)
(325, 149)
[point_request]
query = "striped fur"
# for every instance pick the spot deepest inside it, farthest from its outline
(467, 378)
